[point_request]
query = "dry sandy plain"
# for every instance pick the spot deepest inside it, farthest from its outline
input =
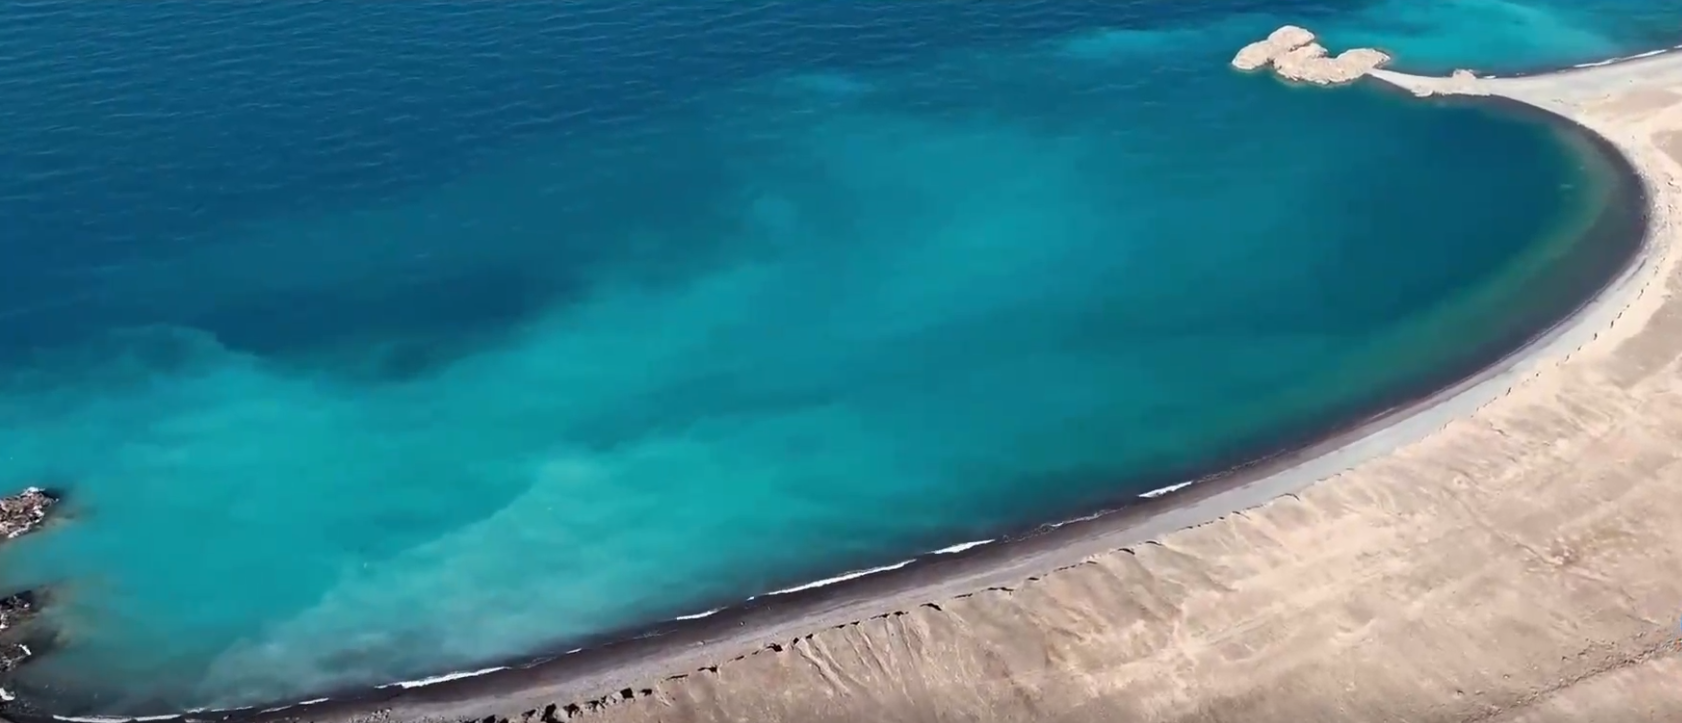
(1510, 552)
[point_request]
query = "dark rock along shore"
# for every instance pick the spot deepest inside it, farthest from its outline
(20, 514)
(23, 512)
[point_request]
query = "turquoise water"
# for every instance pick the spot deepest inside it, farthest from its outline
(376, 340)
(1500, 36)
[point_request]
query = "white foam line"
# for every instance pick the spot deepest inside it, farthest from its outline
(1581, 66)
(698, 616)
(841, 578)
(1085, 518)
(445, 678)
(1165, 490)
(112, 719)
(1637, 56)
(960, 547)
(7, 696)
(313, 701)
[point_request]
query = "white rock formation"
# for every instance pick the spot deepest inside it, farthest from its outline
(1310, 64)
(1295, 56)
(1279, 42)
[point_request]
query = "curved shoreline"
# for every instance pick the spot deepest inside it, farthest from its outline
(1540, 70)
(620, 671)
(1595, 64)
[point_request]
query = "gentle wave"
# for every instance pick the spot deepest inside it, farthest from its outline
(1160, 491)
(114, 719)
(826, 582)
(445, 678)
(698, 616)
(962, 546)
(1637, 56)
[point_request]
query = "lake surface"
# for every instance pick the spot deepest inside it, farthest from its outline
(376, 340)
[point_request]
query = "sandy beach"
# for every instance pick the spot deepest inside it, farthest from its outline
(1508, 550)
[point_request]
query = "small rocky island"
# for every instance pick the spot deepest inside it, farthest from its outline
(23, 512)
(1295, 55)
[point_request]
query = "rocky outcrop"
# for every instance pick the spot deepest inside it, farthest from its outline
(20, 514)
(1311, 64)
(14, 611)
(1295, 56)
(23, 512)
(1262, 52)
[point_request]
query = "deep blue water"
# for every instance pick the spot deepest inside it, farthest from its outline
(378, 339)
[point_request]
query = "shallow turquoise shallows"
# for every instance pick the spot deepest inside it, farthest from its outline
(370, 341)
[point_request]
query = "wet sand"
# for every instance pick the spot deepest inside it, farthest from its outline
(1504, 551)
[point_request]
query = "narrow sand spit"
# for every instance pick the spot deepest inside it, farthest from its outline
(1511, 551)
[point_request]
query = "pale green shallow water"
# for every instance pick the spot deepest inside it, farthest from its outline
(371, 343)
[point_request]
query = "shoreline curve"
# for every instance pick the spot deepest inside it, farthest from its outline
(1540, 69)
(1585, 66)
(604, 677)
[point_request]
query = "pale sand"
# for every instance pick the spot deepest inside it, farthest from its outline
(1512, 552)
